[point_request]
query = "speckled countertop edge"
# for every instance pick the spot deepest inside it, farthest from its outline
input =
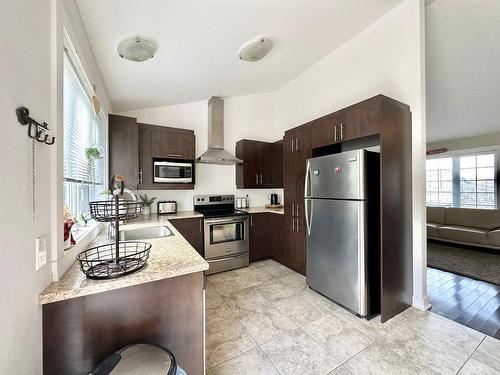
(169, 257)
(262, 209)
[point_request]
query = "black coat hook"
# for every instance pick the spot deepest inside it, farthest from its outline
(35, 129)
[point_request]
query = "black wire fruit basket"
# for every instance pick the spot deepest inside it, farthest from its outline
(112, 210)
(105, 262)
(121, 257)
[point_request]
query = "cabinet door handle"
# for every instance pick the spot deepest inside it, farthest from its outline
(251, 220)
(335, 133)
(175, 155)
(261, 178)
(292, 145)
(293, 224)
(199, 225)
(297, 225)
(256, 179)
(341, 131)
(297, 210)
(296, 144)
(293, 209)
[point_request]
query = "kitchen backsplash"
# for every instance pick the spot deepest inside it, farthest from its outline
(184, 198)
(212, 179)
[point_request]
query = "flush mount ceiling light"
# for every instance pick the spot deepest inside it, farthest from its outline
(255, 49)
(137, 48)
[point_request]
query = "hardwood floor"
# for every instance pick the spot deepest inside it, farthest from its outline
(470, 302)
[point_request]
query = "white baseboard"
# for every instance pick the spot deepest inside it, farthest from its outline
(421, 303)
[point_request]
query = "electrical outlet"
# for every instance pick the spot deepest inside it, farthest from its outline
(40, 252)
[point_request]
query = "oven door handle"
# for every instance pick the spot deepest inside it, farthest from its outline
(234, 219)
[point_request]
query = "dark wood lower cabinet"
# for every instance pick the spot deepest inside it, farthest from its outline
(294, 248)
(81, 332)
(266, 236)
(192, 230)
(276, 240)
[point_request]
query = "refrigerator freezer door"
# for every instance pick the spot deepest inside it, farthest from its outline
(338, 176)
(336, 251)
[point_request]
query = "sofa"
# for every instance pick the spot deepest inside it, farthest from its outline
(468, 226)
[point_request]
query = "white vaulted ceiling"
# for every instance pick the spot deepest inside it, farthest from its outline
(462, 68)
(199, 41)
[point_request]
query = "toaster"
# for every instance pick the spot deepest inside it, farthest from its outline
(167, 207)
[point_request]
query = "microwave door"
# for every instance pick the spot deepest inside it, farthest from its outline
(170, 172)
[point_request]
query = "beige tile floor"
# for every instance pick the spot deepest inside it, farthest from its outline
(264, 320)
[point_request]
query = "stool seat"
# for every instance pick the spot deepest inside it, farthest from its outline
(138, 359)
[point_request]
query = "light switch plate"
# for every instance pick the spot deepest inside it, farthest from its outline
(40, 252)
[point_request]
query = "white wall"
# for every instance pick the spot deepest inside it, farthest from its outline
(386, 58)
(245, 117)
(30, 75)
(24, 80)
(463, 70)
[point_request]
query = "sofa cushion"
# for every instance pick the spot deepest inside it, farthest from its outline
(432, 229)
(493, 238)
(463, 234)
(435, 215)
(471, 217)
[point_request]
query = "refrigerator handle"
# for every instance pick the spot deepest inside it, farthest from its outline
(307, 183)
(309, 211)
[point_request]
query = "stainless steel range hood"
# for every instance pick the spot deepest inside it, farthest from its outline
(216, 153)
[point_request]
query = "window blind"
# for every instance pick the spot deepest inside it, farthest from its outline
(83, 179)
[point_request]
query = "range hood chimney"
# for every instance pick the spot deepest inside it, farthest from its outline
(216, 153)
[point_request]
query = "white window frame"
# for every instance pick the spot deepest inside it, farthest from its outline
(456, 154)
(61, 259)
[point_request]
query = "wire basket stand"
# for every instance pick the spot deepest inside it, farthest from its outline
(121, 257)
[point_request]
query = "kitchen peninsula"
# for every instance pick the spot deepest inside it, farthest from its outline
(84, 320)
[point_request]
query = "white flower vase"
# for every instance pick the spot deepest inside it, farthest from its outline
(146, 210)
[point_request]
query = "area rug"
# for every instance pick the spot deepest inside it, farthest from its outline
(477, 264)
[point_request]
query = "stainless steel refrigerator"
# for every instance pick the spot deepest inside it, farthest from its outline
(342, 198)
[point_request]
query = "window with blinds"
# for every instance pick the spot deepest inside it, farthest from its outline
(84, 145)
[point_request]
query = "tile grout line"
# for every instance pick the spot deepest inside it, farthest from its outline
(470, 356)
(234, 316)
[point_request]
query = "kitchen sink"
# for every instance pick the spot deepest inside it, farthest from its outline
(145, 233)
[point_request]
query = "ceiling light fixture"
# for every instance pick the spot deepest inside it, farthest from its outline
(137, 48)
(255, 50)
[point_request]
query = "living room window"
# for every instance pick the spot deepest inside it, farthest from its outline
(467, 181)
(440, 182)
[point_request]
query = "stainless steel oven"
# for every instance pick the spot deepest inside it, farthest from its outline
(173, 172)
(226, 243)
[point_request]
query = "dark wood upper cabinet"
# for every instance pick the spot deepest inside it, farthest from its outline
(192, 230)
(124, 149)
(262, 166)
(277, 163)
(145, 157)
(172, 143)
(132, 147)
(357, 121)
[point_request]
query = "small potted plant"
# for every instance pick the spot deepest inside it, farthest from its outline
(93, 154)
(147, 203)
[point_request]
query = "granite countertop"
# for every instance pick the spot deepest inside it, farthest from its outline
(169, 257)
(263, 209)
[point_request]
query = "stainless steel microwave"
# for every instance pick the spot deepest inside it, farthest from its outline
(173, 172)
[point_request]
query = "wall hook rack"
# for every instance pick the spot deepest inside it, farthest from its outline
(36, 131)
